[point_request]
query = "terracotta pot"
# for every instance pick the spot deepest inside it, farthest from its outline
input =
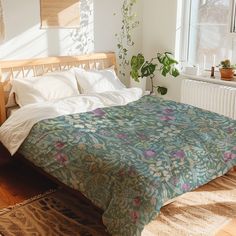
(227, 73)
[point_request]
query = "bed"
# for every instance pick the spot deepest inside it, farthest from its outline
(129, 154)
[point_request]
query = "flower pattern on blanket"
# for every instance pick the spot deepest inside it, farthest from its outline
(129, 160)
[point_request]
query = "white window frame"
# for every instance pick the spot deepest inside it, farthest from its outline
(182, 30)
(186, 30)
(183, 25)
(233, 17)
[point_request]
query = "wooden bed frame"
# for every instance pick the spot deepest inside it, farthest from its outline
(21, 69)
(35, 67)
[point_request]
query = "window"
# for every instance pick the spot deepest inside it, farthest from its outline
(210, 38)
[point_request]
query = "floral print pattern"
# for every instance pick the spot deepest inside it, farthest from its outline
(129, 160)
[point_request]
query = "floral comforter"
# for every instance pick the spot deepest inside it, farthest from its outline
(129, 160)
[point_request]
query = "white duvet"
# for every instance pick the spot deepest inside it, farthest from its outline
(17, 127)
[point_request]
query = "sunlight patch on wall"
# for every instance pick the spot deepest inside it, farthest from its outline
(36, 42)
(25, 44)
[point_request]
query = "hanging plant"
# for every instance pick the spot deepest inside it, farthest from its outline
(124, 38)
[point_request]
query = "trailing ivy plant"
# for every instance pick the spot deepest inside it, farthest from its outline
(124, 38)
(141, 68)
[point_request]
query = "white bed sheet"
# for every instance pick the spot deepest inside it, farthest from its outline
(17, 127)
(11, 110)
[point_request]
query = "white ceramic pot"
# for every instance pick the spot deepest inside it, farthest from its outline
(141, 84)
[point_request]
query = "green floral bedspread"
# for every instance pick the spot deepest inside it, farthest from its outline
(129, 160)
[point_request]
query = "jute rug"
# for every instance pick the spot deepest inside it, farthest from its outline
(56, 213)
(199, 213)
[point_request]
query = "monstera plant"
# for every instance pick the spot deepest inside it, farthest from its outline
(163, 62)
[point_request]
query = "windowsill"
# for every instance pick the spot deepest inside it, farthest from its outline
(208, 79)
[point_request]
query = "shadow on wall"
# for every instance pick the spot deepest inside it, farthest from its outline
(83, 37)
(25, 39)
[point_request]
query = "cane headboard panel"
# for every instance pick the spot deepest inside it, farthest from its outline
(36, 67)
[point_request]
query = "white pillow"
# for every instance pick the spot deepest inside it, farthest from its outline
(98, 81)
(49, 87)
(11, 101)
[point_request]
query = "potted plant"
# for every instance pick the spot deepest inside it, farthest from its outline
(142, 69)
(227, 70)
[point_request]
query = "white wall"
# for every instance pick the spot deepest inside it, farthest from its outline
(99, 24)
(159, 35)
(25, 39)
(108, 23)
(100, 21)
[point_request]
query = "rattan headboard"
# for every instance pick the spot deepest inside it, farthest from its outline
(35, 67)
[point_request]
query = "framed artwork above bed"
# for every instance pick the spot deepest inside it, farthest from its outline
(60, 14)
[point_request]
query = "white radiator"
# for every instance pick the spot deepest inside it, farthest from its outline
(213, 97)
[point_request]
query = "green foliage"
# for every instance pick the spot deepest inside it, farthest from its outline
(124, 38)
(226, 64)
(168, 64)
(148, 69)
(136, 64)
(162, 90)
(141, 68)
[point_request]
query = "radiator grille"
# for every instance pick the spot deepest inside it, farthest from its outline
(213, 97)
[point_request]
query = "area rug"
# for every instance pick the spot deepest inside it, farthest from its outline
(55, 213)
(199, 213)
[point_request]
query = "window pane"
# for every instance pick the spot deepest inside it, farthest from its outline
(209, 41)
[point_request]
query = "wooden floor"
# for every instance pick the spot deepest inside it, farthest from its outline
(19, 182)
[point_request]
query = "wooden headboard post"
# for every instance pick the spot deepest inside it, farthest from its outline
(2, 106)
(3, 115)
(35, 67)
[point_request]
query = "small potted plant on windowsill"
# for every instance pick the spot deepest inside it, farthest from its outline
(227, 70)
(142, 69)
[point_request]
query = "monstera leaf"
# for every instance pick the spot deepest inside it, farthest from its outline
(136, 64)
(162, 90)
(137, 61)
(148, 69)
(135, 75)
(168, 64)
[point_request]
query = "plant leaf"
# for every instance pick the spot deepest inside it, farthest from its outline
(175, 72)
(135, 75)
(148, 69)
(137, 61)
(162, 90)
(165, 70)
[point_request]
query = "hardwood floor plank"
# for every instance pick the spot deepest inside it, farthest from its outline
(231, 228)
(3, 204)
(18, 182)
(224, 233)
